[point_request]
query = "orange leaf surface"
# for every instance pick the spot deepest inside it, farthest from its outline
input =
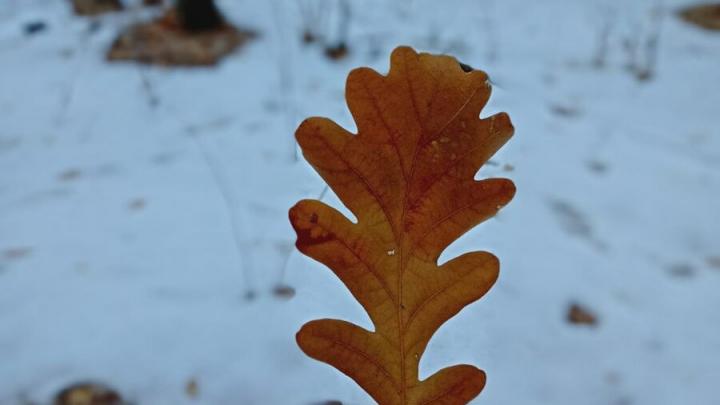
(408, 177)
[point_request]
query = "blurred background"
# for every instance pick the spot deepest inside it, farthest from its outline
(147, 163)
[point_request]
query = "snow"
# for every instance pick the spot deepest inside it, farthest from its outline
(143, 210)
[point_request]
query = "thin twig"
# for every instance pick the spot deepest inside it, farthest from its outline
(148, 88)
(286, 81)
(236, 222)
(652, 44)
(603, 41)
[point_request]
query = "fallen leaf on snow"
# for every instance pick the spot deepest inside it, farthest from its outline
(580, 315)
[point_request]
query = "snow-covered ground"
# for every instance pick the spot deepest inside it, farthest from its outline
(143, 211)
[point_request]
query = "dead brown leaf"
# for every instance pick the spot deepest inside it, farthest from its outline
(407, 175)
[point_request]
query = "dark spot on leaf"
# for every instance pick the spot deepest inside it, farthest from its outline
(307, 237)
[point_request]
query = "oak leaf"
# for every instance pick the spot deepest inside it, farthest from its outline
(408, 177)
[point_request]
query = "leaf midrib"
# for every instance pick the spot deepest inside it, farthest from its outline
(399, 234)
(403, 327)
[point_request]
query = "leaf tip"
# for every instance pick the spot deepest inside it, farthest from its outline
(456, 385)
(508, 189)
(400, 53)
(306, 128)
(502, 122)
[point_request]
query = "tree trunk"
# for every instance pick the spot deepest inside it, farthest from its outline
(198, 15)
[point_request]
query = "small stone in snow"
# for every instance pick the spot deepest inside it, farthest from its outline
(34, 27)
(69, 175)
(714, 262)
(136, 204)
(17, 253)
(284, 291)
(192, 388)
(682, 270)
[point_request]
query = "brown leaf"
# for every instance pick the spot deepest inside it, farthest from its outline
(580, 315)
(88, 393)
(96, 7)
(192, 388)
(703, 15)
(165, 42)
(408, 178)
(283, 291)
